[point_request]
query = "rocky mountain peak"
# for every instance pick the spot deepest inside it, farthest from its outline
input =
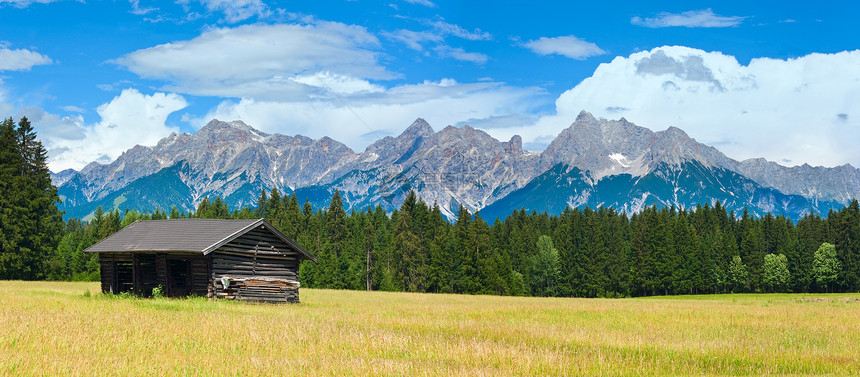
(419, 127)
(584, 117)
(675, 133)
(515, 145)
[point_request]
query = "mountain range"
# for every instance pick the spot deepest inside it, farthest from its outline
(594, 162)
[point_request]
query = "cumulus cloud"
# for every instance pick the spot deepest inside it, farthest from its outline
(21, 59)
(697, 18)
(568, 45)
(260, 60)
(360, 120)
(799, 110)
(130, 118)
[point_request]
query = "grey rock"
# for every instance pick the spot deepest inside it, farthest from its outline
(451, 167)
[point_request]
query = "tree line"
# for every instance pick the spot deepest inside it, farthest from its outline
(580, 252)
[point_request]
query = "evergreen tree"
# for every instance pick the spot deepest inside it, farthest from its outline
(545, 272)
(333, 263)
(30, 221)
(845, 233)
(174, 213)
(409, 265)
(463, 265)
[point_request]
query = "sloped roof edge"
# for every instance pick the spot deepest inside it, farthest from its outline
(168, 236)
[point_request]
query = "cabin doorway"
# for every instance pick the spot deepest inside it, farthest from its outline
(178, 278)
(123, 278)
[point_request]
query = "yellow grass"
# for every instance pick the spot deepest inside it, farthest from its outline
(52, 328)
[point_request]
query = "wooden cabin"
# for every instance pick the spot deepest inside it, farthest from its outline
(232, 259)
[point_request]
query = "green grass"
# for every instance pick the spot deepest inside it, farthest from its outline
(53, 328)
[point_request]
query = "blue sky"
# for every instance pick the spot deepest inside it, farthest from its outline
(751, 78)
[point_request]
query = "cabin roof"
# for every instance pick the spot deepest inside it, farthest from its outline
(184, 235)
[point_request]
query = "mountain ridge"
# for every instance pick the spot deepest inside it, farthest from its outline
(451, 167)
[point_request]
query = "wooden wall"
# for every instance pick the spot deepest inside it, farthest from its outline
(116, 272)
(139, 273)
(260, 268)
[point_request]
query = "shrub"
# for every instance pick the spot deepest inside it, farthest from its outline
(158, 292)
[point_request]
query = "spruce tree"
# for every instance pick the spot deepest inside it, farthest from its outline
(31, 223)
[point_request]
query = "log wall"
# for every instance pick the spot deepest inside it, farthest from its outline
(139, 273)
(146, 274)
(259, 266)
(116, 272)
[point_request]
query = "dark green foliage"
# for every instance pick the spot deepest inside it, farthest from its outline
(776, 275)
(826, 266)
(545, 268)
(30, 224)
(581, 252)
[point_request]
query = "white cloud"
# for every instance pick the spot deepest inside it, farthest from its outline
(458, 31)
(337, 84)
(25, 3)
(53, 127)
(129, 119)
(569, 46)
(441, 30)
(360, 120)
(414, 39)
(460, 54)
(21, 60)
(73, 109)
(138, 10)
(426, 3)
(690, 19)
(234, 10)
(260, 60)
(803, 110)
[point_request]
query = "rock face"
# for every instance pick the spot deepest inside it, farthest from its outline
(593, 162)
(220, 159)
(611, 147)
(451, 167)
(233, 160)
(840, 184)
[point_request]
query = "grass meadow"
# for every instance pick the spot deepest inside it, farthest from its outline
(54, 328)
